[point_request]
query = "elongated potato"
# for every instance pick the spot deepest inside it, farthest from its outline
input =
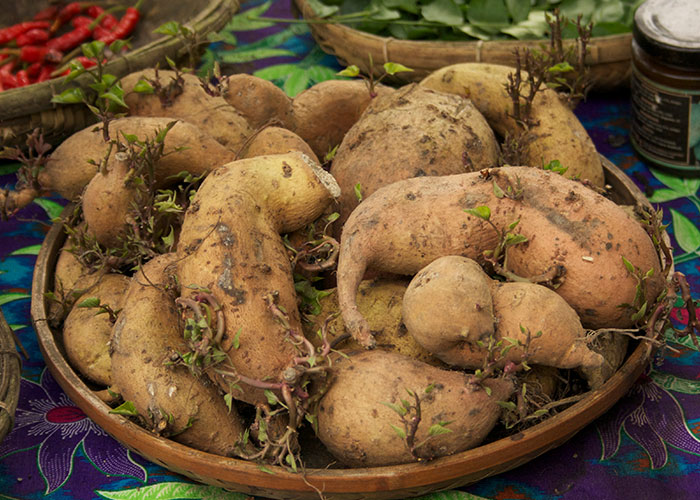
(260, 101)
(276, 140)
(147, 336)
(404, 226)
(230, 244)
(557, 133)
(191, 103)
(411, 132)
(107, 199)
(355, 417)
(86, 333)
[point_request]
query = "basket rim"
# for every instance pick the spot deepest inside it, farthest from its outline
(10, 376)
(37, 97)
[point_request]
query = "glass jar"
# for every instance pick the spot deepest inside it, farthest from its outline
(665, 105)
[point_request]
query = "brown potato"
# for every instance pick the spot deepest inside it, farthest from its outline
(276, 140)
(260, 101)
(231, 245)
(355, 417)
(146, 338)
(411, 132)
(557, 134)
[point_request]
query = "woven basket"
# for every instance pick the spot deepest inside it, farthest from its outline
(609, 56)
(26, 108)
(10, 367)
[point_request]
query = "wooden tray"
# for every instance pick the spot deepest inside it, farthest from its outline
(26, 108)
(402, 481)
(609, 56)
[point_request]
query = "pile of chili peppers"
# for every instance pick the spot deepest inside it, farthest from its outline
(31, 51)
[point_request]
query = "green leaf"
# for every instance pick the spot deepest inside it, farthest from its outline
(169, 240)
(350, 72)
(117, 98)
(684, 186)
(322, 10)
(482, 212)
(237, 338)
(296, 83)
(685, 231)
(241, 55)
(69, 96)
(6, 298)
(358, 191)
(93, 50)
(437, 429)
(508, 405)
(30, 250)
(271, 397)
(143, 87)
(518, 9)
(393, 68)
(488, 15)
(276, 72)
(127, 409)
(628, 265)
(90, 302)
(444, 12)
(399, 431)
(664, 195)
(173, 491)
(171, 28)
(53, 209)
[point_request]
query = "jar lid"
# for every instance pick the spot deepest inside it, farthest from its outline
(669, 30)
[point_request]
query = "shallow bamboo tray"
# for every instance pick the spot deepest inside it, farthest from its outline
(10, 374)
(609, 56)
(26, 108)
(401, 481)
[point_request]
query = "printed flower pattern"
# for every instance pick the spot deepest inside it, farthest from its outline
(652, 417)
(46, 419)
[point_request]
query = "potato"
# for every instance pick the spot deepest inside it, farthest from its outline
(86, 333)
(230, 244)
(355, 417)
(211, 114)
(532, 322)
(380, 302)
(557, 133)
(276, 140)
(404, 226)
(145, 339)
(260, 101)
(411, 132)
(107, 199)
(343, 100)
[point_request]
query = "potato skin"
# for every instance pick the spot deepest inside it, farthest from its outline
(148, 332)
(558, 134)
(276, 140)
(211, 114)
(406, 225)
(230, 244)
(344, 100)
(411, 132)
(354, 421)
(86, 334)
(260, 101)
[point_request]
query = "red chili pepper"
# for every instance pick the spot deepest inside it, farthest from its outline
(81, 21)
(9, 81)
(22, 78)
(36, 53)
(66, 14)
(33, 36)
(70, 40)
(109, 21)
(45, 73)
(11, 32)
(47, 14)
(34, 69)
(125, 26)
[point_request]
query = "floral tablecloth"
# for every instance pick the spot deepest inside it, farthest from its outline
(646, 447)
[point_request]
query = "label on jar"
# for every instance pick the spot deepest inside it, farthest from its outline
(665, 123)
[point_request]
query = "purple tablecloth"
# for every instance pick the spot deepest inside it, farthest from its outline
(646, 447)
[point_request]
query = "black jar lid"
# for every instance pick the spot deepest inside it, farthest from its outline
(670, 30)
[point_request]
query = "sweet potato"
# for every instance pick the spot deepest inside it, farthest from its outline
(86, 333)
(107, 198)
(261, 102)
(230, 244)
(569, 228)
(380, 302)
(276, 140)
(556, 133)
(344, 100)
(183, 97)
(532, 322)
(411, 132)
(145, 339)
(355, 416)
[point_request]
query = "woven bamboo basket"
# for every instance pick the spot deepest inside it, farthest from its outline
(608, 58)
(10, 367)
(320, 475)
(26, 108)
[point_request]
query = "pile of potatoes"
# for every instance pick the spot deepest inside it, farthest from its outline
(411, 324)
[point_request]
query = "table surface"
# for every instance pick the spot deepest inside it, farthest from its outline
(646, 447)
